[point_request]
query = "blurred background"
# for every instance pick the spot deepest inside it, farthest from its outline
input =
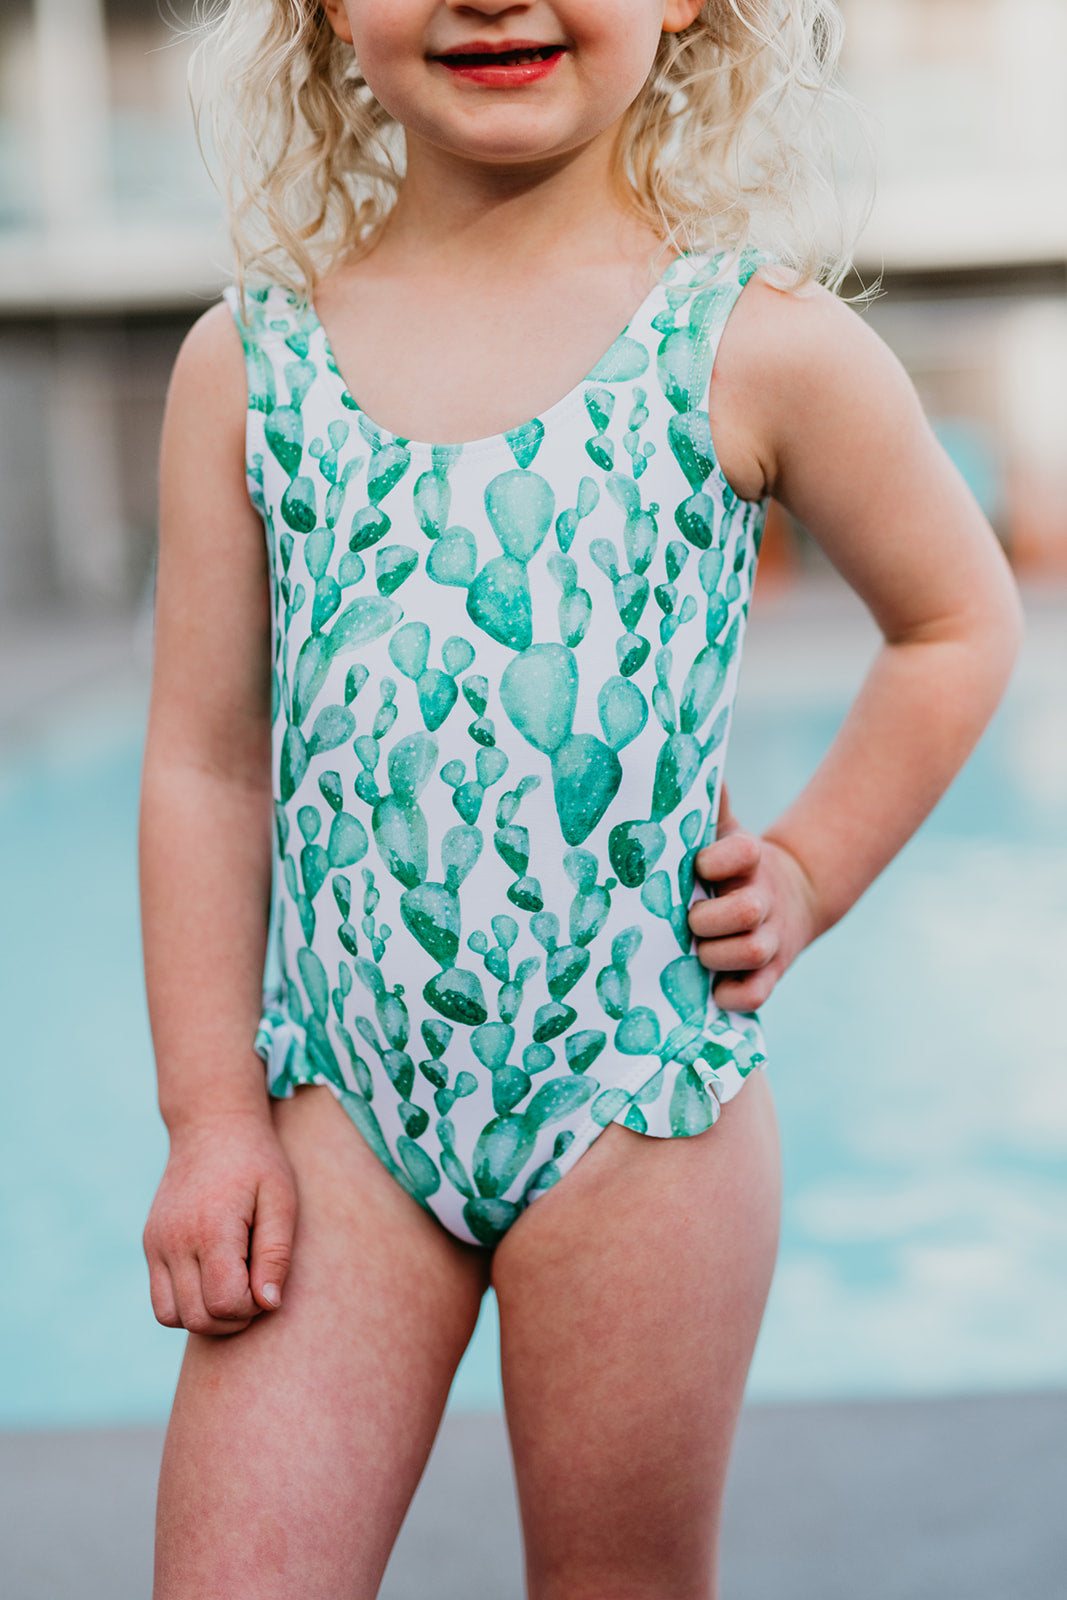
(918, 1057)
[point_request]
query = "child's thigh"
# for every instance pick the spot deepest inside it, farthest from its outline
(295, 1446)
(630, 1299)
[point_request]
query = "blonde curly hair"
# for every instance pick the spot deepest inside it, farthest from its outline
(741, 135)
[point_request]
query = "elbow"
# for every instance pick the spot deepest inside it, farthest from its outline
(1010, 623)
(985, 632)
(997, 631)
(1018, 619)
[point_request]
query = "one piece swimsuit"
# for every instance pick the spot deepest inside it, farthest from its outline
(503, 675)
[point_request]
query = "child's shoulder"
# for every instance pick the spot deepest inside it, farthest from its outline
(209, 384)
(220, 339)
(213, 345)
(788, 322)
(791, 360)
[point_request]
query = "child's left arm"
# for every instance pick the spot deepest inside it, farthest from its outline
(807, 404)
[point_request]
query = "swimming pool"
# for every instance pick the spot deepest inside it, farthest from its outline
(917, 1055)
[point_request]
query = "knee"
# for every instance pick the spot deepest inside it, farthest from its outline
(607, 1588)
(609, 1580)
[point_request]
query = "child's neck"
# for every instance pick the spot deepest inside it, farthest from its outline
(489, 294)
(465, 216)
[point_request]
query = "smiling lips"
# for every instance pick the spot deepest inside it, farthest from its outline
(506, 66)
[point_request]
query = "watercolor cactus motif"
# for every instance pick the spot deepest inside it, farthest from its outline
(503, 675)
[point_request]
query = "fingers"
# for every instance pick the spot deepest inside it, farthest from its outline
(272, 1242)
(746, 991)
(743, 947)
(219, 1235)
(161, 1288)
(203, 1289)
(740, 927)
(178, 1302)
(740, 910)
(731, 856)
(224, 1285)
(738, 941)
(189, 1294)
(727, 822)
(746, 953)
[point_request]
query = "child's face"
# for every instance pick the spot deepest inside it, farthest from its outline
(571, 69)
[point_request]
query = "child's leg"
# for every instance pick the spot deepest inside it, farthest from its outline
(630, 1298)
(295, 1446)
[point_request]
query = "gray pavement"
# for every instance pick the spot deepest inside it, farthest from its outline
(951, 1499)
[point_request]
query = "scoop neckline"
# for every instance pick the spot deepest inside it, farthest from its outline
(510, 436)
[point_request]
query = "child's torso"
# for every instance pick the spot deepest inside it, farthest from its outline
(503, 679)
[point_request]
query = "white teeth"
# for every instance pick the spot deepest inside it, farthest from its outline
(501, 57)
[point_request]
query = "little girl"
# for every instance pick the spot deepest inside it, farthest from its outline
(433, 817)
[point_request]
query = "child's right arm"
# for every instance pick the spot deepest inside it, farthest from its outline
(219, 1234)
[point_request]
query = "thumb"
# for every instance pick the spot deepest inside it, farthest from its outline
(272, 1241)
(727, 822)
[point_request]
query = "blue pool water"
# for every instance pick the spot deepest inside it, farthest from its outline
(918, 1062)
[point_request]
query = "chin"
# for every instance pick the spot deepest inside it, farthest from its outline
(489, 136)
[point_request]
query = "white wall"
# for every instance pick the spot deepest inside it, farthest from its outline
(971, 117)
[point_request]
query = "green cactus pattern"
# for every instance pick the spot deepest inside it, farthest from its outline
(503, 674)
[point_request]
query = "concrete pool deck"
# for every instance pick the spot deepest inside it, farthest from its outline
(948, 1499)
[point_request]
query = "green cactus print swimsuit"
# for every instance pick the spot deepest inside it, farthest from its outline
(503, 677)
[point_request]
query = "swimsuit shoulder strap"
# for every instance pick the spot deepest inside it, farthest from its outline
(699, 299)
(274, 326)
